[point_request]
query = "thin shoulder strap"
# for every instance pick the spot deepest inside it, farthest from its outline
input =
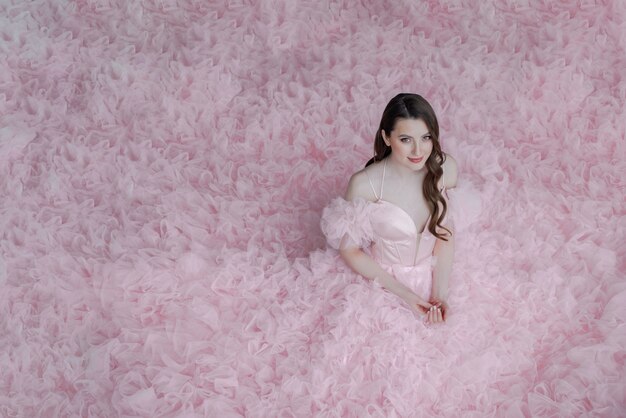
(371, 185)
(382, 183)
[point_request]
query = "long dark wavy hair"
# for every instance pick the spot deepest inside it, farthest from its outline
(414, 106)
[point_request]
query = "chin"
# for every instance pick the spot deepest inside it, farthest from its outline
(417, 167)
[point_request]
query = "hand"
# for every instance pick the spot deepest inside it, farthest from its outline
(438, 312)
(418, 305)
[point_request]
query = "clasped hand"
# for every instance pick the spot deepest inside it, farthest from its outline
(437, 311)
(434, 311)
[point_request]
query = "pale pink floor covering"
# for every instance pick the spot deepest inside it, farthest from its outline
(163, 170)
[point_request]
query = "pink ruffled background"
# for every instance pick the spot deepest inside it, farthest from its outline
(164, 165)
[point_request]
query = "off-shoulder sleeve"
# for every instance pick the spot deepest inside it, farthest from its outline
(347, 223)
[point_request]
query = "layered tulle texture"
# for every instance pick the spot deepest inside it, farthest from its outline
(347, 223)
(164, 166)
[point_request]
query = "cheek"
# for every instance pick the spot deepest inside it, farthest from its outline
(400, 147)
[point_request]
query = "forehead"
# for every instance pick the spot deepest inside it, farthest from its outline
(413, 127)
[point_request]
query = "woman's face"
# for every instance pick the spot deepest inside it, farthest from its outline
(411, 143)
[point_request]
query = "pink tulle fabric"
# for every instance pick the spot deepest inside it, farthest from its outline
(164, 166)
(347, 223)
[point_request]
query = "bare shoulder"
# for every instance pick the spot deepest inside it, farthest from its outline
(359, 185)
(450, 172)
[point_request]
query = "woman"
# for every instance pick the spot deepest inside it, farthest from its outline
(392, 226)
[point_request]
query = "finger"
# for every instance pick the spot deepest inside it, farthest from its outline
(439, 315)
(431, 315)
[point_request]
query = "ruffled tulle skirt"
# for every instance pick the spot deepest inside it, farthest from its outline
(371, 355)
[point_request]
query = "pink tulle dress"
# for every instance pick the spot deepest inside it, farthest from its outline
(365, 353)
(378, 357)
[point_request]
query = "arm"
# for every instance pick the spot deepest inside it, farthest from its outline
(444, 253)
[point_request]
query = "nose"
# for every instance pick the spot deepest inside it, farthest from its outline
(416, 148)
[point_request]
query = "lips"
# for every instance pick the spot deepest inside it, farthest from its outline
(416, 160)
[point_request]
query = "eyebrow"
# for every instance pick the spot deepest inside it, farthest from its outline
(409, 136)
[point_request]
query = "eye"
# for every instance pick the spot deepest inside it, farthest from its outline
(404, 139)
(427, 137)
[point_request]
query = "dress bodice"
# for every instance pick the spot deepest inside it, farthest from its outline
(380, 226)
(395, 238)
